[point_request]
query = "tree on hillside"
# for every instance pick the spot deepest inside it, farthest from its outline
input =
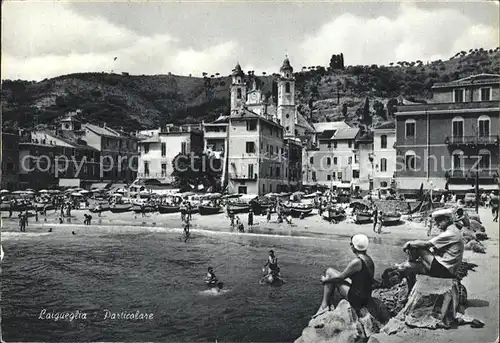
(379, 109)
(367, 118)
(344, 110)
(392, 107)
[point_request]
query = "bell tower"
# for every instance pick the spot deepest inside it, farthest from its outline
(286, 98)
(238, 88)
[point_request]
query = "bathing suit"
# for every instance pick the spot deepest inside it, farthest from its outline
(273, 265)
(439, 271)
(360, 291)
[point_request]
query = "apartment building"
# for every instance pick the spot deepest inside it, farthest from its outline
(444, 143)
(157, 152)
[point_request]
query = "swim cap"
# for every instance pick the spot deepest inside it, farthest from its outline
(445, 213)
(360, 242)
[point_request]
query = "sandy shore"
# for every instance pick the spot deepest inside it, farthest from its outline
(482, 285)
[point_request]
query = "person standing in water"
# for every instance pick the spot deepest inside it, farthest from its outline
(272, 263)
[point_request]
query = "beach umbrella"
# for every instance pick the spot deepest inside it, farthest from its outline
(43, 191)
(29, 192)
(54, 191)
(4, 191)
(76, 194)
(84, 192)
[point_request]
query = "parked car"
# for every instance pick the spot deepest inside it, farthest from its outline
(470, 199)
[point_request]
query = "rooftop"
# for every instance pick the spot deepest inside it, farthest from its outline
(448, 106)
(102, 131)
(366, 137)
(386, 126)
(350, 133)
(334, 125)
(480, 79)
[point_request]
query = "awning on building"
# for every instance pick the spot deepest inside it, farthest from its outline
(99, 185)
(488, 187)
(459, 187)
(69, 182)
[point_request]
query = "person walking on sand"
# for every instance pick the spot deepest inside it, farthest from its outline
(360, 270)
(445, 259)
(268, 215)
(494, 206)
(250, 218)
(380, 222)
(375, 218)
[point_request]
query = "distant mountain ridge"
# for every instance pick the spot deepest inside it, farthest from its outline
(358, 94)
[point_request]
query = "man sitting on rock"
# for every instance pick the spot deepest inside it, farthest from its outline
(462, 219)
(360, 270)
(440, 256)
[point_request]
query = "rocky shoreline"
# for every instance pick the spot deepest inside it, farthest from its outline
(396, 316)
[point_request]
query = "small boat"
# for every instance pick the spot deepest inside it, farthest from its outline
(162, 208)
(389, 219)
(239, 207)
(363, 217)
(120, 208)
(333, 215)
(103, 207)
(298, 209)
(206, 209)
(147, 209)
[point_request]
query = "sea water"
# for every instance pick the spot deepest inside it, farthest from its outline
(152, 271)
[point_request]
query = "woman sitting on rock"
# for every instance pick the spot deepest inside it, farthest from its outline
(360, 270)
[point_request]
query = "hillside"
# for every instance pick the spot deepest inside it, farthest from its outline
(143, 101)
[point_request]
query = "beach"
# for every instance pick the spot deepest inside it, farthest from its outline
(305, 248)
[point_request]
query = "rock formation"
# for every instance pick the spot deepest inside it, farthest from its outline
(342, 325)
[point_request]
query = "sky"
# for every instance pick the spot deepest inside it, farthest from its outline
(45, 39)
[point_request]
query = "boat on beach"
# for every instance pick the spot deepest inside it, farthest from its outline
(163, 208)
(120, 208)
(391, 218)
(334, 214)
(363, 217)
(207, 209)
(147, 209)
(103, 207)
(238, 207)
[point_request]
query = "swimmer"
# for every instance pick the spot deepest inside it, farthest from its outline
(211, 279)
(50, 230)
(73, 232)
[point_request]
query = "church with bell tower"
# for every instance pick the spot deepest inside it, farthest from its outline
(286, 98)
(264, 135)
(238, 88)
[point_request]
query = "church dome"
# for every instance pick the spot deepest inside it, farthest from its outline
(286, 66)
(237, 71)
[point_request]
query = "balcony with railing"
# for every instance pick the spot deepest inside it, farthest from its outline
(472, 140)
(162, 175)
(466, 174)
(241, 176)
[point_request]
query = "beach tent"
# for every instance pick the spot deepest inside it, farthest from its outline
(4, 191)
(43, 191)
(76, 194)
